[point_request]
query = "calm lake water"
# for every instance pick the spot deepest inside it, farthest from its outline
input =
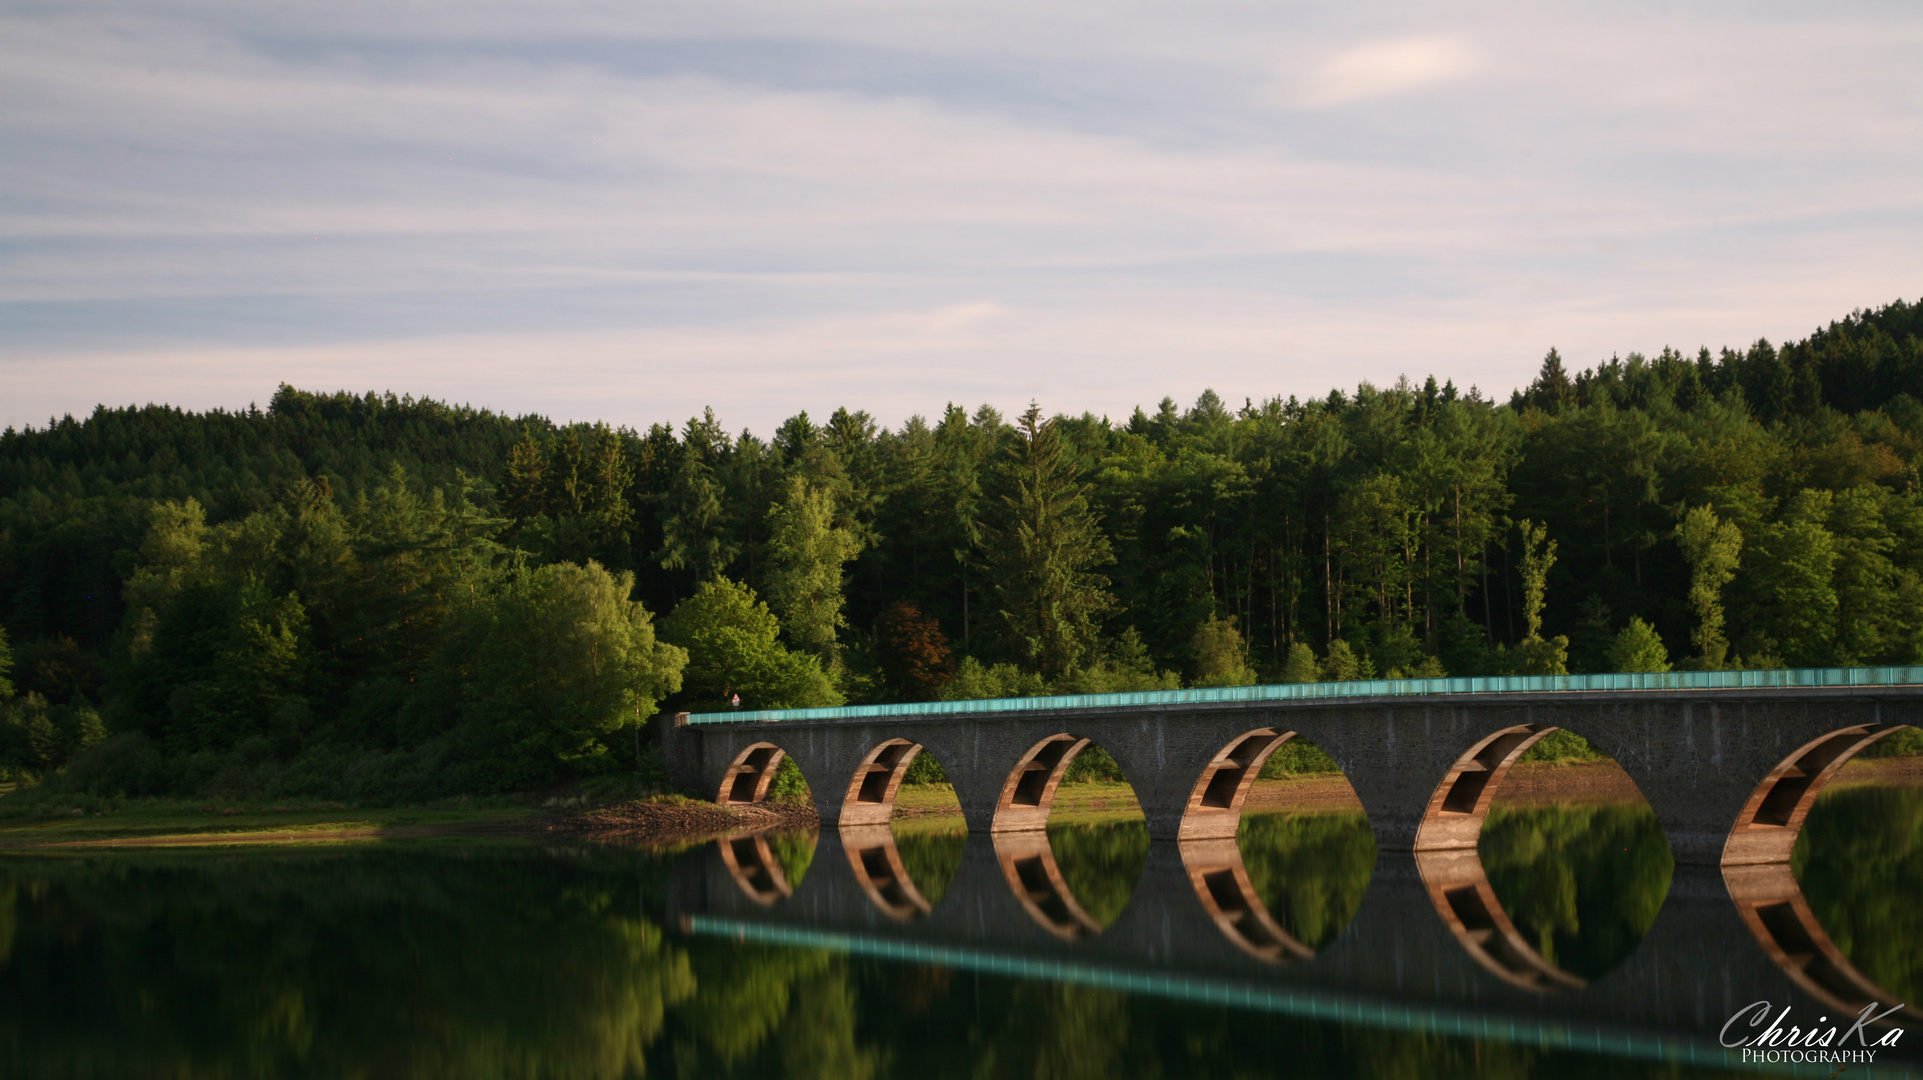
(776, 957)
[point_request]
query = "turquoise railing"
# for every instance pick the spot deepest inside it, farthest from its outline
(1505, 684)
(1315, 1003)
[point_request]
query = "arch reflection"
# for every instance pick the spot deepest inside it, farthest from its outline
(1029, 865)
(1459, 887)
(877, 864)
(1221, 881)
(1773, 907)
(751, 862)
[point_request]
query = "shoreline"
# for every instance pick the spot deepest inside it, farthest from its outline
(670, 820)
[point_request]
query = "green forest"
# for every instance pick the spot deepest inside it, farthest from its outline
(379, 596)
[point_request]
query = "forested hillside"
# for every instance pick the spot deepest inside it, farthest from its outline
(436, 598)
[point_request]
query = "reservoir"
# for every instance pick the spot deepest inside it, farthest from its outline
(915, 949)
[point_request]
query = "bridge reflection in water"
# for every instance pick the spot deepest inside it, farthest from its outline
(1430, 948)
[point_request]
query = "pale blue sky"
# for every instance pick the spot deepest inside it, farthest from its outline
(625, 212)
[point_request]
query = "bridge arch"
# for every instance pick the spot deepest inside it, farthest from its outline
(1214, 807)
(1453, 818)
(870, 798)
(749, 776)
(1029, 790)
(1767, 827)
(1524, 943)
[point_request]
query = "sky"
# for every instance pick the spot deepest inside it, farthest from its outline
(627, 212)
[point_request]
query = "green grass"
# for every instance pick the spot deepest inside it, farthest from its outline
(1084, 803)
(30, 816)
(1094, 802)
(167, 818)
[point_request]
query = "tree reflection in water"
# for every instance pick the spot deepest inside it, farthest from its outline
(794, 850)
(1101, 863)
(1859, 862)
(499, 962)
(1309, 869)
(931, 857)
(1582, 882)
(401, 963)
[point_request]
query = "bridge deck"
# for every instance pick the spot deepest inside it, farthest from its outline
(1788, 679)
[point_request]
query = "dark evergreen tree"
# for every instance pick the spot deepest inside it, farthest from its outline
(1044, 550)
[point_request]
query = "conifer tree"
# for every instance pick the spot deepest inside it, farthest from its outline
(1552, 390)
(569, 476)
(523, 489)
(1043, 552)
(606, 504)
(694, 532)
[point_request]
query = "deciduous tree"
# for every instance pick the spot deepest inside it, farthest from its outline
(1713, 549)
(806, 552)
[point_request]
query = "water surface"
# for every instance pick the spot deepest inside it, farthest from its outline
(524, 960)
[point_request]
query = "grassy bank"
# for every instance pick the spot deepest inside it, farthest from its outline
(35, 816)
(170, 821)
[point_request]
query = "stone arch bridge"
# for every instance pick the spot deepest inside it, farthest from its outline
(1731, 762)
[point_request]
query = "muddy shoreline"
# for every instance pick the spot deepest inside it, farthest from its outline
(679, 821)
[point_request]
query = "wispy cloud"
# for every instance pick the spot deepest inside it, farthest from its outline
(1386, 68)
(890, 205)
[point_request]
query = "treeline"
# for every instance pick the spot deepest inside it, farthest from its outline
(382, 587)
